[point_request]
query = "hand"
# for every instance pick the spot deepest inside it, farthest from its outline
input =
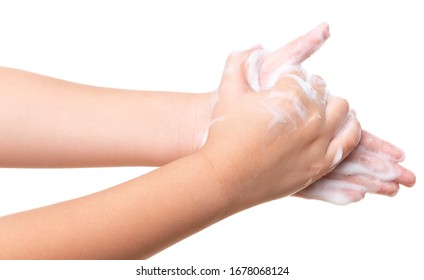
(265, 67)
(268, 144)
(372, 167)
(199, 117)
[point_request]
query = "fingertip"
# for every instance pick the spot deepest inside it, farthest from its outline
(407, 177)
(401, 155)
(319, 34)
(324, 27)
(397, 153)
(412, 181)
(392, 190)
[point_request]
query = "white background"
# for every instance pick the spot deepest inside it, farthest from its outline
(374, 59)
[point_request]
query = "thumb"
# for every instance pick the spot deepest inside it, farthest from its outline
(233, 81)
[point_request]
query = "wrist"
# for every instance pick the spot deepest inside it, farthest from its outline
(227, 178)
(193, 122)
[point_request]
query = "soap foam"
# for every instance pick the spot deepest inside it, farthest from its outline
(307, 88)
(364, 161)
(272, 78)
(335, 191)
(338, 156)
(254, 62)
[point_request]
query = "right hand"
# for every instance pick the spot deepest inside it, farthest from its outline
(273, 143)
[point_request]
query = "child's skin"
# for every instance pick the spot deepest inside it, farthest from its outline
(251, 155)
(373, 166)
(45, 122)
(241, 165)
(113, 127)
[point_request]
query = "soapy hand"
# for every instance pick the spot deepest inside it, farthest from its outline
(272, 143)
(266, 67)
(373, 166)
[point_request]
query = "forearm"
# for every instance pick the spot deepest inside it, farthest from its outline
(133, 220)
(47, 122)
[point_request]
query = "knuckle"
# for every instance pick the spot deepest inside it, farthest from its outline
(343, 104)
(233, 57)
(317, 169)
(315, 120)
(318, 80)
(237, 57)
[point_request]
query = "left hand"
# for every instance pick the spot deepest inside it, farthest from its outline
(372, 167)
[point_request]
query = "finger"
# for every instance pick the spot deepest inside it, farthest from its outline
(370, 184)
(406, 177)
(343, 142)
(297, 50)
(293, 53)
(336, 113)
(342, 192)
(303, 47)
(361, 162)
(233, 81)
(385, 173)
(377, 145)
(375, 165)
(389, 189)
(373, 147)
